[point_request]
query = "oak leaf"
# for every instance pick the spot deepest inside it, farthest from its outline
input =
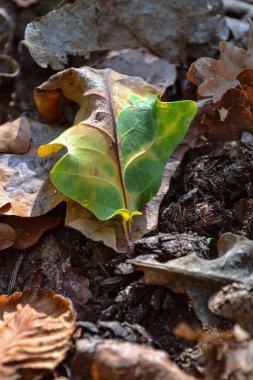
(200, 278)
(215, 77)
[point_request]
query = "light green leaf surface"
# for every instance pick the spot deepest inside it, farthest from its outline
(121, 142)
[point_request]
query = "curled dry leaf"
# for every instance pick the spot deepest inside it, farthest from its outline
(35, 330)
(113, 24)
(215, 77)
(15, 136)
(201, 278)
(9, 69)
(7, 236)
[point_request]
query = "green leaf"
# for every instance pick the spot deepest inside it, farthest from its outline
(121, 142)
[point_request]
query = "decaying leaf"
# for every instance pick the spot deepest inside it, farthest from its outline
(201, 278)
(141, 63)
(7, 236)
(35, 330)
(229, 117)
(120, 143)
(105, 25)
(215, 77)
(15, 136)
(29, 230)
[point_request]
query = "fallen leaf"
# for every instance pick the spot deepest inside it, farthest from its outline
(230, 116)
(215, 77)
(116, 25)
(35, 330)
(29, 230)
(201, 278)
(7, 236)
(24, 178)
(26, 191)
(110, 232)
(15, 136)
(120, 143)
(141, 63)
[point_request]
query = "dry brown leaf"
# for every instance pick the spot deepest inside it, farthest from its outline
(215, 77)
(29, 230)
(113, 24)
(24, 178)
(229, 117)
(35, 330)
(7, 236)
(15, 136)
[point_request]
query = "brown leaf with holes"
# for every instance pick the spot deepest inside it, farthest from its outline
(35, 330)
(231, 115)
(215, 77)
(7, 236)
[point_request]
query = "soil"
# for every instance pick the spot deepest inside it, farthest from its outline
(112, 301)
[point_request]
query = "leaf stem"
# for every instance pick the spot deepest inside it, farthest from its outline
(126, 224)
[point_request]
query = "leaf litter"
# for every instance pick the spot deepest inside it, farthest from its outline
(157, 298)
